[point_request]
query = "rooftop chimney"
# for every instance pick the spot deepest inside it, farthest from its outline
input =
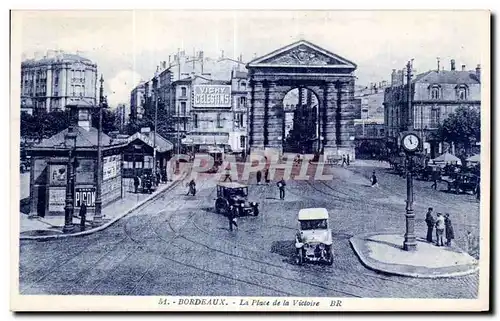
(452, 65)
(478, 71)
(438, 64)
(463, 67)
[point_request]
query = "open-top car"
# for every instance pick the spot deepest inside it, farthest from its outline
(463, 183)
(313, 241)
(234, 196)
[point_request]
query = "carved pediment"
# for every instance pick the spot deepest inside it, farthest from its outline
(302, 54)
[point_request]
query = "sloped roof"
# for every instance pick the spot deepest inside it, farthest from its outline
(447, 77)
(63, 57)
(162, 144)
(84, 139)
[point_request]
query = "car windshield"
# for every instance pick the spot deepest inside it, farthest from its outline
(313, 225)
(238, 192)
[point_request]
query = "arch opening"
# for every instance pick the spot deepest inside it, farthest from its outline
(301, 128)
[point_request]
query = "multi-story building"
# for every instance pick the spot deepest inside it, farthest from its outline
(52, 81)
(239, 91)
(121, 117)
(137, 101)
(435, 94)
(369, 125)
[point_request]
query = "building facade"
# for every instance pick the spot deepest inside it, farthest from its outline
(52, 81)
(435, 94)
(137, 101)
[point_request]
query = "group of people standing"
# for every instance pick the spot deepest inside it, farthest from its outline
(346, 160)
(442, 224)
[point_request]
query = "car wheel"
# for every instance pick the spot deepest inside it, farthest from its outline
(299, 259)
(329, 258)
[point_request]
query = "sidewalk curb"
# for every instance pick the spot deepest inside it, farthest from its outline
(107, 224)
(382, 267)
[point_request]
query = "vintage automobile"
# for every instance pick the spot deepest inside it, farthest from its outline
(234, 195)
(429, 172)
(313, 241)
(463, 183)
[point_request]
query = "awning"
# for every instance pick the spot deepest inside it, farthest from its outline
(447, 158)
(474, 159)
(207, 140)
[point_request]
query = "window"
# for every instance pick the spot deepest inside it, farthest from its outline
(434, 121)
(242, 141)
(462, 93)
(195, 120)
(239, 120)
(243, 101)
(218, 121)
(435, 92)
(243, 85)
(183, 92)
(183, 108)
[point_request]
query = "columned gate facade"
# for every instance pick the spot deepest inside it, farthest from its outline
(302, 65)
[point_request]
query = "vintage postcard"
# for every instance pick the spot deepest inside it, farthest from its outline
(170, 160)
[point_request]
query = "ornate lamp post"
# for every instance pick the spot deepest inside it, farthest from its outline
(98, 202)
(411, 143)
(70, 142)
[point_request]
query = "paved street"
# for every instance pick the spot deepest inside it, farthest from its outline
(178, 245)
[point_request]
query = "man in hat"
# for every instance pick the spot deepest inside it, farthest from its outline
(450, 235)
(430, 221)
(440, 229)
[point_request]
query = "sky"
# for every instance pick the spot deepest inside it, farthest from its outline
(128, 45)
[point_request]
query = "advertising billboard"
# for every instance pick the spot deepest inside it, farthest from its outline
(111, 166)
(212, 96)
(85, 195)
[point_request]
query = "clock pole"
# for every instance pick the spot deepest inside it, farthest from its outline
(410, 243)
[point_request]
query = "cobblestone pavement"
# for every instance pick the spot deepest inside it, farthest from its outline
(179, 246)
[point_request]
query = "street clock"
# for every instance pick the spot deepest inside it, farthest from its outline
(410, 142)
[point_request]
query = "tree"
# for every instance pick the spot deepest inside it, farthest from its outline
(108, 120)
(43, 125)
(462, 127)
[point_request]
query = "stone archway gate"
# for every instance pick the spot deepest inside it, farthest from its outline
(302, 65)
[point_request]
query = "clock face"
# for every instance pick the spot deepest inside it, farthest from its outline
(410, 142)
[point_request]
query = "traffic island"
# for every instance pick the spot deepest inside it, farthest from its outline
(383, 252)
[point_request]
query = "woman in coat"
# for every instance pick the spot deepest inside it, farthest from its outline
(450, 235)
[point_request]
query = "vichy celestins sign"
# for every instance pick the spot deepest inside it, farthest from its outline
(212, 96)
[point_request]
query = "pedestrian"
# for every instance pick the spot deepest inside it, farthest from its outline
(266, 175)
(478, 190)
(429, 219)
(434, 179)
(343, 160)
(157, 178)
(192, 188)
(281, 185)
(83, 216)
(259, 177)
(148, 181)
(450, 235)
(374, 180)
(348, 160)
(164, 175)
(440, 229)
(136, 183)
(231, 215)
(228, 175)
